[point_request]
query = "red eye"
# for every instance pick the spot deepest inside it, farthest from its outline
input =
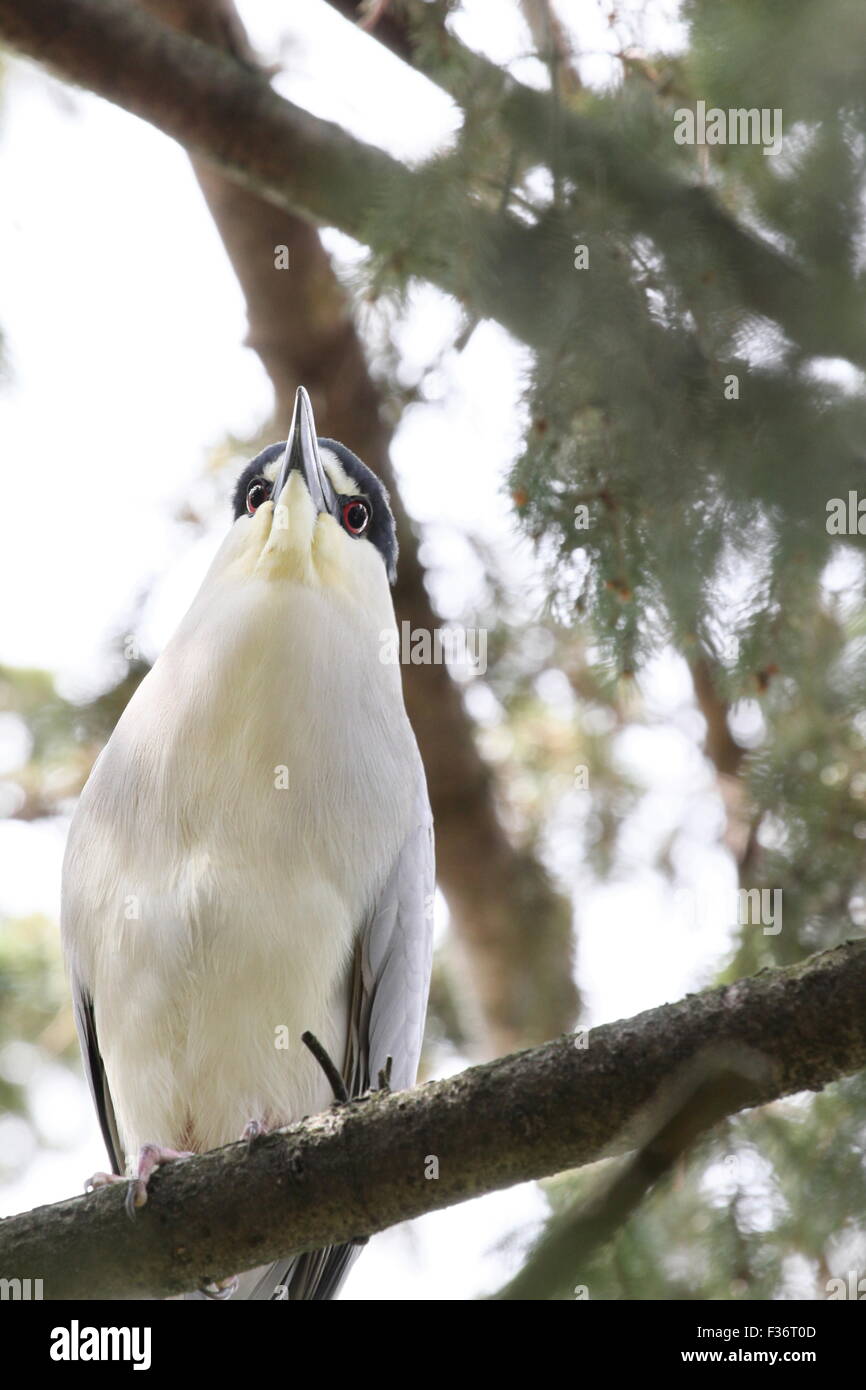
(258, 492)
(356, 516)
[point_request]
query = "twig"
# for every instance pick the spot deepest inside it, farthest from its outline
(331, 1070)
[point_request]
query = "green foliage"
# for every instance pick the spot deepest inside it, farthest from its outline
(65, 736)
(761, 1212)
(34, 1005)
(680, 393)
(705, 532)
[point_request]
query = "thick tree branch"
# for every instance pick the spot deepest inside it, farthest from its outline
(358, 1169)
(218, 108)
(669, 209)
(227, 112)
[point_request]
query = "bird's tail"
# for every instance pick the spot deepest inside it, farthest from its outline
(316, 1275)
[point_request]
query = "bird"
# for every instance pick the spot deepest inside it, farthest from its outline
(252, 857)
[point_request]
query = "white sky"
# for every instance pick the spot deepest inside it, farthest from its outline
(125, 333)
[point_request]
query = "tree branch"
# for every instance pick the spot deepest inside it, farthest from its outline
(358, 1169)
(227, 112)
(221, 109)
(726, 756)
(671, 210)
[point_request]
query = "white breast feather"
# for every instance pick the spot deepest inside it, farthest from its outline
(207, 908)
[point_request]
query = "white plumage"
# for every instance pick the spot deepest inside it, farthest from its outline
(237, 833)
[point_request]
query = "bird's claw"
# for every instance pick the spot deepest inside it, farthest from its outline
(253, 1129)
(220, 1289)
(150, 1156)
(97, 1180)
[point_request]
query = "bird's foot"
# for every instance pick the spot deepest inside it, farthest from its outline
(253, 1129)
(150, 1156)
(220, 1289)
(101, 1180)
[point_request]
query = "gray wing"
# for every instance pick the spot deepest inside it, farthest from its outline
(388, 1005)
(94, 1067)
(392, 972)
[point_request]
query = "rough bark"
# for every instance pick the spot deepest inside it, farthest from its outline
(360, 1168)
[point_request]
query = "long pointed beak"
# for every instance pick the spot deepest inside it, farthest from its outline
(302, 452)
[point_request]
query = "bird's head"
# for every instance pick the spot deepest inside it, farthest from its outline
(309, 510)
(301, 578)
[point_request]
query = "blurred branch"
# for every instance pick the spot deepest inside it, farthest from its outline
(713, 1087)
(221, 109)
(360, 1168)
(726, 755)
(226, 111)
(386, 25)
(552, 44)
(669, 209)
(721, 747)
